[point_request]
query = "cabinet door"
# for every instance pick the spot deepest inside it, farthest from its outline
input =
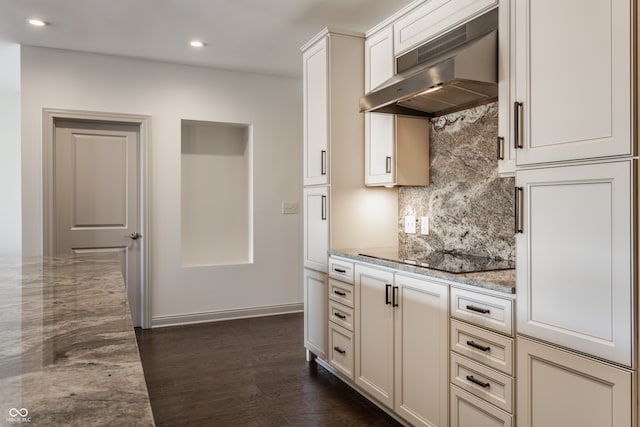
(421, 351)
(379, 128)
(574, 284)
(506, 151)
(316, 227)
(315, 83)
(573, 77)
(374, 332)
(559, 388)
(315, 312)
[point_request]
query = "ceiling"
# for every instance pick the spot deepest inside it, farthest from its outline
(262, 36)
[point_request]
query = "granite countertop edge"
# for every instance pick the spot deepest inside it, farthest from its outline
(503, 281)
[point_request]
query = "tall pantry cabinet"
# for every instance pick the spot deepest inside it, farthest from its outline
(574, 99)
(339, 212)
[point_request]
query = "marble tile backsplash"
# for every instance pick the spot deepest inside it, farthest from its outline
(470, 208)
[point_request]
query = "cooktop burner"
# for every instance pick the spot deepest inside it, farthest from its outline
(449, 262)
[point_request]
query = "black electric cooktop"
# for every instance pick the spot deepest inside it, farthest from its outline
(450, 262)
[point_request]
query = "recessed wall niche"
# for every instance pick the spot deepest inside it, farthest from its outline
(217, 193)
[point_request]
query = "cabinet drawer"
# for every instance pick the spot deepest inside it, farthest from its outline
(487, 384)
(469, 411)
(341, 292)
(341, 314)
(483, 310)
(341, 270)
(341, 349)
(494, 350)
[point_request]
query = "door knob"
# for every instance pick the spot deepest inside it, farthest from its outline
(135, 236)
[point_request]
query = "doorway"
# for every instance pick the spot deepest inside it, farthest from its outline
(96, 194)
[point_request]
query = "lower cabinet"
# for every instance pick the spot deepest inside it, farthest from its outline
(560, 388)
(315, 308)
(470, 411)
(401, 346)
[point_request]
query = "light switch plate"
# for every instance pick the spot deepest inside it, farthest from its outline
(424, 225)
(410, 224)
(289, 208)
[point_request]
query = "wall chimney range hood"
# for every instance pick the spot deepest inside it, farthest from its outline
(453, 72)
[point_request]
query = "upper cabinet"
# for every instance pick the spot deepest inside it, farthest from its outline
(396, 147)
(572, 74)
(505, 150)
(316, 114)
(434, 17)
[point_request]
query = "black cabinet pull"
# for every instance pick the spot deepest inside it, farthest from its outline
(340, 316)
(323, 162)
(339, 270)
(339, 350)
(342, 294)
(395, 297)
(518, 210)
(478, 309)
(517, 125)
(323, 209)
(475, 381)
(500, 148)
(386, 294)
(478, 346)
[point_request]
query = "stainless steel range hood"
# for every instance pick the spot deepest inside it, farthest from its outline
(455, 71)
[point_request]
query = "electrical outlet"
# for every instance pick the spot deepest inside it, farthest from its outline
(410, 224)
(424, 225)
(289, 208)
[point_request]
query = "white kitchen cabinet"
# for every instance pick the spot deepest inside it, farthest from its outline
(470, 411)
(396, 147)
(435, 17)
(574, 257)
(316, 114)
(559, 388)
(374, 332)
(316, 227)
(506, 151)
(402, 343)
(315, 309)
(573, 79)
(421, 351)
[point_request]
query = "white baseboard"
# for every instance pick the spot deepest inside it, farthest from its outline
(215, 316)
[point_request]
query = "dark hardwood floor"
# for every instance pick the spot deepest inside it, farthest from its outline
(248, 372)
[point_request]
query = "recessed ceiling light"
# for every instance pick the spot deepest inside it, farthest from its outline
(196, 43)
(37, 22)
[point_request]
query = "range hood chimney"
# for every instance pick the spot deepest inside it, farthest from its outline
(453, 72)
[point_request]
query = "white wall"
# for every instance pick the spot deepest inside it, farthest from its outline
(10, 201)
(168, 93)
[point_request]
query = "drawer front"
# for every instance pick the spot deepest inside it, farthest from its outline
(481, 345)
(341, 292)
(341, 314)
(341, 349)
(492, 386)
(341, 269)
(469, 411)
(483, 310)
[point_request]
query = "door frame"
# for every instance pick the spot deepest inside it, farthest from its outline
(49, 117)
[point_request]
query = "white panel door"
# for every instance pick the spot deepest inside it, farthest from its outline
(315, 309)
(574, 256)
(374, 332)
(557, 388)
(96, 196)
(573, 77)
(379, 128)
(421, 351)
(316, 112)
(316, 227)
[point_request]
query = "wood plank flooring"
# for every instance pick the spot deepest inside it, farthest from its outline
(247, 372)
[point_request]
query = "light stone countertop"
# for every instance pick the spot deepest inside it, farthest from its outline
(496, 280)
(68, 352)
